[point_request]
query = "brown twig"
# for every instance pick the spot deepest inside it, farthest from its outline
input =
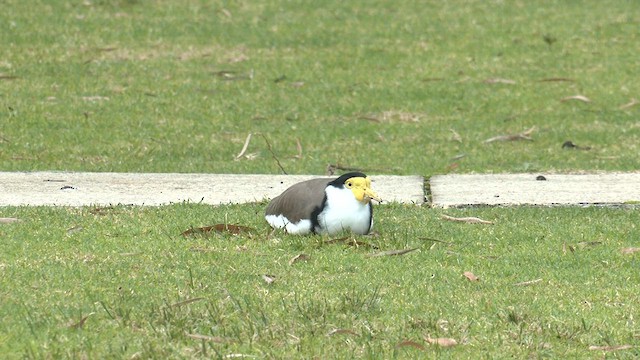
(393, 252)
(273, 154)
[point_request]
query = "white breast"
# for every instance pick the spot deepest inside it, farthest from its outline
(343, 212)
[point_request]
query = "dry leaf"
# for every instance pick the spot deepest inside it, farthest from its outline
(73, 229)
(230, 75)
(299, 257)
(525, 135)
(468, 220)
(8, 220)
(527, 283)
(237, 58)
(95, 98)
(557, 79)
(629, 250)
(610, 348)
(393, 252)
(392, 116)
(500, 81)
(215, 339)
(576, 97)
(342, 331)
(455, 136)
(370, 118)
(444, 342)
(8, 77)
(409, 343)
(222, 228)
(338, 240)
(630, 104)
(244, 147)
(588, 244)
(131, 253)
(469, 275)
(80, 323)
(269, 279)
(299, 147)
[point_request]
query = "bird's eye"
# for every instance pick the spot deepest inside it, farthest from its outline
(349, 184)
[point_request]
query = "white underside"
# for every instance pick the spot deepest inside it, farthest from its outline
(343, 213)
(302, 227)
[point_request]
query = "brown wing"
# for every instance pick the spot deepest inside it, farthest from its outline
(299, 201)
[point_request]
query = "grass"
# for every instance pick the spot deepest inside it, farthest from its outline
(374, 85)
(388, 87)
(145, 291)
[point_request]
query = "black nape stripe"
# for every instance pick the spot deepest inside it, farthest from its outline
(339, 182)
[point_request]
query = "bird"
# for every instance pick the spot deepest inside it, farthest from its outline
(325, 206)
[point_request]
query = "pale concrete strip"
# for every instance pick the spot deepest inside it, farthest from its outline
(80, 189)
(515, 189)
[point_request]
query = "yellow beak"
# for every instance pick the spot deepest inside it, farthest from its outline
(371, 195)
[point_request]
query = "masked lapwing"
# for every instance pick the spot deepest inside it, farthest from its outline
(325, 206)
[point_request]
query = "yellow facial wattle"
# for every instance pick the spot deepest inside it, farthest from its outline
(361, 188)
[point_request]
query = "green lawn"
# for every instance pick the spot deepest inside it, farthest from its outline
(177, 85)
(389, 87)
(145, 291)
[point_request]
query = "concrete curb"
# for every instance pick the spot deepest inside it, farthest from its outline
(82, 189)
(535, 189)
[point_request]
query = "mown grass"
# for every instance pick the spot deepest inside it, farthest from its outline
(387, 87)
(139, 86)
(144, 290)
